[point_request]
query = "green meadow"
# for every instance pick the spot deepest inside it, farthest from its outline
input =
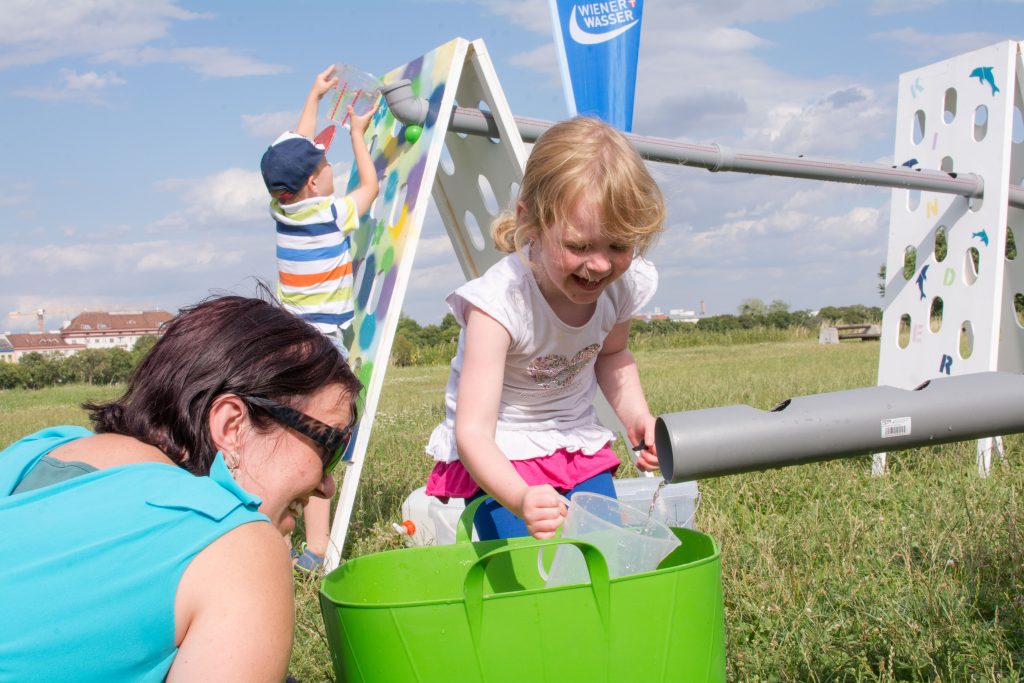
(829, 574)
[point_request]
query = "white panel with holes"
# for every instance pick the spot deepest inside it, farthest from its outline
(478, 175)
(951, 280)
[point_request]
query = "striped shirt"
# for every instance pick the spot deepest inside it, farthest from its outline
(314, 259)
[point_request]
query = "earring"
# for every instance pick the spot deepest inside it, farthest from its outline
(232, 460)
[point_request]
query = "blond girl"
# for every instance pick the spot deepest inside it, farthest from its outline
(544, 328)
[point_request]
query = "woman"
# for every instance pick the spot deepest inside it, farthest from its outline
(143, 551)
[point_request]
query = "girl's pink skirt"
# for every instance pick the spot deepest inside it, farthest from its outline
(562, 469)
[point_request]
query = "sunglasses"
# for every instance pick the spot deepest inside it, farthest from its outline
(333, 442)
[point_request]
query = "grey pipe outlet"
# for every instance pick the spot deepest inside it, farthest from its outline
(700, 444)
(405, 106)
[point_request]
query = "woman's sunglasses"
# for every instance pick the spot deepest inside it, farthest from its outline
(332, 441)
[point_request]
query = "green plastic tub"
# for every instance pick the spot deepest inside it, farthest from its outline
(480, 612)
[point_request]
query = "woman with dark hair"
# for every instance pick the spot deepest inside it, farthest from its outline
(143, 551)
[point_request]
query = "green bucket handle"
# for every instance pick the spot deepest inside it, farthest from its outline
(473, 584)
(464, 527)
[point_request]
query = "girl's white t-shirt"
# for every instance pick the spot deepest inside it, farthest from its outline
(550, 383)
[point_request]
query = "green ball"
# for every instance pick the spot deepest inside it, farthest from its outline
(412, 133)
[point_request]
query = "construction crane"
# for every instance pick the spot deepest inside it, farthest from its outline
(40, 314)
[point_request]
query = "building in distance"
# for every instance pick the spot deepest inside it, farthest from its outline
(88, 330)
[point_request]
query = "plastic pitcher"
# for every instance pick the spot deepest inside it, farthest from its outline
(355, 87)
(631, 540)
(676, 504)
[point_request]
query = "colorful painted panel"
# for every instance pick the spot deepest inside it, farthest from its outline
(385, 242)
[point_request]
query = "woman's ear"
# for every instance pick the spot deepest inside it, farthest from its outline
(520, 212)
(228, 418)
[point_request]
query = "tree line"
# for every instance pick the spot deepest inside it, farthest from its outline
(91, 366)
(436, 344)
(416, 344)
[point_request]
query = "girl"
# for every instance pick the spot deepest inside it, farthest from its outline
(544, 328)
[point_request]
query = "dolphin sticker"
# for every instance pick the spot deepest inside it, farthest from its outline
(920, 281)
(984, 75)
(983, 236)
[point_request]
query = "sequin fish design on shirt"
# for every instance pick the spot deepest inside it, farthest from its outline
(558, 371)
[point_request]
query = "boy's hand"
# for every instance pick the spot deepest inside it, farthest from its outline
(325, 80)
(359, 124)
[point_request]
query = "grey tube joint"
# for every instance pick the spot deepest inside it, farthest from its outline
(699, 444)
(404, 105)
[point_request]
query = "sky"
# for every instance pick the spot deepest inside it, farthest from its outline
(132, 133)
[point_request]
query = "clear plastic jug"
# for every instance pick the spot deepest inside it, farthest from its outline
(631, 540)
(355, 87)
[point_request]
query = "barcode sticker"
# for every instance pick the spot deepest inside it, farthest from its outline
(895, 426)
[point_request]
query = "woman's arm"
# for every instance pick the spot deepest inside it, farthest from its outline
(234, 611)
(619, 379)
(476, 417)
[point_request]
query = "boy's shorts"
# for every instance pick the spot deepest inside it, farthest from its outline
(338, 339)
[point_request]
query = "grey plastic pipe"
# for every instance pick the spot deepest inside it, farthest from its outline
(412, 110)
(713, 442)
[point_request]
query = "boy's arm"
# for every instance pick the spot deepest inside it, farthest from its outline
(325, 80)
(619, 379)
(366, 191)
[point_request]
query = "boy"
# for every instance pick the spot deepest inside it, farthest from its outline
(313, 226)
(314, 258)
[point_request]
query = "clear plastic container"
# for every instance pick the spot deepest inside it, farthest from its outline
(435, 521)
(355, 87)
(631, 540)
(676, 505)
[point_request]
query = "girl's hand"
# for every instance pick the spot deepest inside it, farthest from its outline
(642, 434)
(359, 124)
(543, 511)
(647, 459)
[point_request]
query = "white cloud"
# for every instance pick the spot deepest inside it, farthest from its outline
(433, 248)
(533, 16)
(16, 193)
(934, 46)
(88, 259)
(32, 32)
(235, 198)
(894, 6)
(119, 31)
(268, 126)
(217, 62)
(75, 87)
(543, 60)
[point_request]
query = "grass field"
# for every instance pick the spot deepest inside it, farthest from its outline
(828, 573)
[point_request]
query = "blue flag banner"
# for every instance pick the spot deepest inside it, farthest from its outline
(598, 44)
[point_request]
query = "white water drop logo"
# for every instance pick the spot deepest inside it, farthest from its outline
(583, 38)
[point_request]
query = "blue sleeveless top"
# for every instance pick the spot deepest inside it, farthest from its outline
(89, 567)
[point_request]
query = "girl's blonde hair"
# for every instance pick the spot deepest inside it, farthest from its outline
(578, 160)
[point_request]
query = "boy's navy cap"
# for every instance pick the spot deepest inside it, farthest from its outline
(288, 163)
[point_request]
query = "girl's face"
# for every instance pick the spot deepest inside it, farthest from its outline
(578, 262)
(285, 468)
